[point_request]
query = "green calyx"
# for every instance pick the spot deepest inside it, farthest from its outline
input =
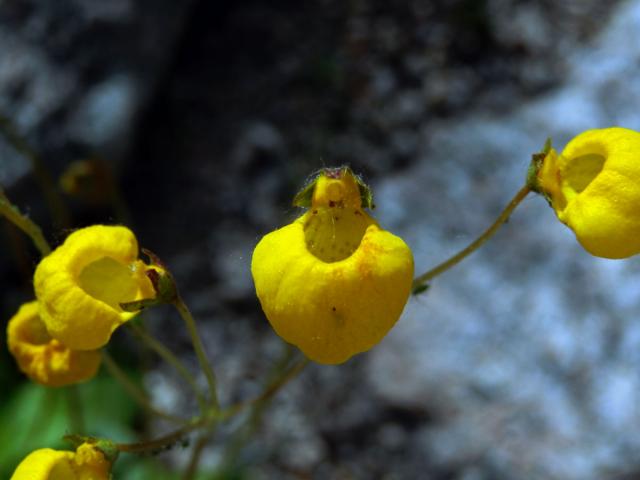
(304, 196)
(537, 160)
(106, 446)
(163, 284)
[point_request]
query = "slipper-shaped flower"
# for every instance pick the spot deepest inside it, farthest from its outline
(82, 283)
(333, 282)
(44, 359)
(86, 463)
(594, 188)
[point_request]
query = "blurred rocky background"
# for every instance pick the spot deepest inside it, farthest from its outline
(521, 363)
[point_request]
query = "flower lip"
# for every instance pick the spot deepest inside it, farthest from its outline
(334, 234)
(43, 359)
(335, 224)
(580, 172)
(593, 186)
(81, 284)
(332, 282)
(40, 464)
(584, 170)
(109, 281)
(87, 462)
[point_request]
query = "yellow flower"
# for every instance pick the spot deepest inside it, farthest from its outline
(81, 285)
(87, 463)
(333, 282)
(594, 188)
(42, 358)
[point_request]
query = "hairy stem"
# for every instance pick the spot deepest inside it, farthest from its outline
(161, 443)
(421, 281)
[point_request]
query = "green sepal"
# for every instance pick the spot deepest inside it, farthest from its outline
(106, 446)
(537, 160)
(163, 282)
(366, 195)
(108, 449)
(138, 305)
(304, 196)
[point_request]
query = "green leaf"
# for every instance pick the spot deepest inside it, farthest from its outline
(34, 417)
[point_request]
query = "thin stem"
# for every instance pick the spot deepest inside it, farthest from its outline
(209, 420)
(196, 341)
(20, 252)
(24, 223)
(135, 391)
(271, 389)
(74, 409)
(168, 356)
(421, 281)
(279, 377)
(289, 375)
(196, 453)
(54, 199)
(162, 442)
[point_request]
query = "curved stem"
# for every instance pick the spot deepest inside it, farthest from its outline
(279, 377)
(282, 376)
(281, 381)
(199, 349)
(420, 282)
(271, 389)
(54, 200)
(196, 453)
(168, 356)
(24, 223)
(134, 391)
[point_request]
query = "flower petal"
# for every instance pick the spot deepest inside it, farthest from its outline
(43, 359)
(74, 307)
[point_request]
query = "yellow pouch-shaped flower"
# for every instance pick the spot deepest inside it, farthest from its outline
(44, 359)
(81, 285)
(594, 188)
(333, 282)
(87, 463)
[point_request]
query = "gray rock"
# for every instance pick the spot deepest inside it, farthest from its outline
(527, 343)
